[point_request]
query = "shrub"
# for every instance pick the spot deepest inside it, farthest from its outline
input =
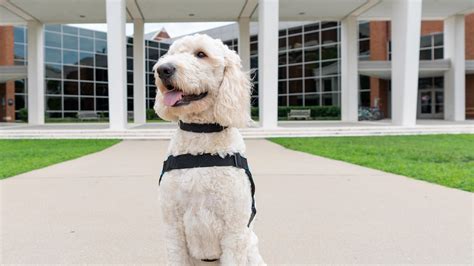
(151, 115)
(23, 115)
(317, 112)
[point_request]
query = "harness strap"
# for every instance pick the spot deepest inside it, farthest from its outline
(186, 161)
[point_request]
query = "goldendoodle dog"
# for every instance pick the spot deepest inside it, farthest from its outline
(206, 189)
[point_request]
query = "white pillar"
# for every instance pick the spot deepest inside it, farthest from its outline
(139, 89)
(244, 43)
(35, 73)
(455, 77)
(117, 68)
(268, 63)
(349, 69)
(406, 28)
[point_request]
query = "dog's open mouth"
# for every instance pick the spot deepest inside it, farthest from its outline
(176, 97)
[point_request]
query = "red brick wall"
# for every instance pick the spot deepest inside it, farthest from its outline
(469, 35)
(379, 34)
(428, 27)
(7, 90)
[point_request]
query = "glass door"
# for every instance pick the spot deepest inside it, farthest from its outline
(430, 103)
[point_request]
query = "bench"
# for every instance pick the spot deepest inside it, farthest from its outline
(299, 114)
(87, 115)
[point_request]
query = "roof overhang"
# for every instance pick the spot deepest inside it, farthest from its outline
(383, 69)
(12, 73)
(93, 11)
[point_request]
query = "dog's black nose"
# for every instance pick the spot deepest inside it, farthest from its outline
(165, 71)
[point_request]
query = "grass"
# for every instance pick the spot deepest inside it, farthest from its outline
(447, 160)
(20, 156)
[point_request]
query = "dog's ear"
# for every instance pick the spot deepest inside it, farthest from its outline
(232, 106)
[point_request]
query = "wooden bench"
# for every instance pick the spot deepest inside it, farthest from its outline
(299, 114)
(87, 115)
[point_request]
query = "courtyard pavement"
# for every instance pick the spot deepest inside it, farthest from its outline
(103, 208)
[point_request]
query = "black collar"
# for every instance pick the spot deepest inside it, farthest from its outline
(200, 128)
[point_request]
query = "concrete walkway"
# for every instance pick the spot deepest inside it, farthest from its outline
(103, 208)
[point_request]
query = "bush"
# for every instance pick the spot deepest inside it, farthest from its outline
(151, 115)
(23, 115)
(317, 112)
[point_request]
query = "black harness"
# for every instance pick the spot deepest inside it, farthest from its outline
(186, 161)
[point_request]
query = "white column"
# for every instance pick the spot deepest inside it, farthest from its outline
(268, 63)
(406, 28)
(117, 68)
(244, 43)
(35, 73)
(349, 69)
(139, 90)
(455, 77)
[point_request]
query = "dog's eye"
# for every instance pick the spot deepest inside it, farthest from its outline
(200, 54)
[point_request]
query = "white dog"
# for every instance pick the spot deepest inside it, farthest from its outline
(207, 210)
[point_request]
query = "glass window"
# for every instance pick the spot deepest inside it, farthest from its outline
(19, 101)
(70, 30)
(53, 103)
(86, 44)
(311, 100)
(438, 39)
(87, 73)
(425, 41)
(52, 71)
(364, 47)
(20, 51)
(54, 114)
(87, 88)
(295, 42)
(86, 32)
(330, 99)
(282, 44)
(53, 87)
(329, 52)
(86, 59)
(311, 70)
(70, 42)
(282, 58)
(100, 60)
(364, 30)
(328, 24)
(71, 103)
(70, 72)
(101, 35)
(439, 83)
(295, 71)
(282, 87)
(254, 62)
(282, 72)
(364, 82)
(295, 100)
(100, 46)
(87, 103)
(295, 86)
(329, 36)
(425, 83)
(102, 104)
(129, 90)
(282, 101)
(438, 53)
(295, 56)
(166, 46)
(329, 68)
(330, 84)
(129, 51)
(253, 49)
(70, 88)
(295, 30)
(153, 53)
(311, 39)
(130, 77)
(53, 27)
(425, 54)
(129, 63)
(19, 34)
(101, 89)
(364, 98)
(311, 54)
(151, 92)
(52, 39)
(101, 74)
(20, 86)
(311, 85)
(311, 27)
(53, 55)
(70, 57)
(153, 44)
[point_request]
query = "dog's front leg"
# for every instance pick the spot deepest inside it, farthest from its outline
(176, 247)
(235, 246)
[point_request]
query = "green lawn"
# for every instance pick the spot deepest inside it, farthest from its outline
(447, 160)
(19, 156)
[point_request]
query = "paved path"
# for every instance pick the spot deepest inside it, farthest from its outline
(103, 208)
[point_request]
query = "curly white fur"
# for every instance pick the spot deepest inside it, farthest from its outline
(206, 210)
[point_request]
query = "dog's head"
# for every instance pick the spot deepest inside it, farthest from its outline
(200, 80)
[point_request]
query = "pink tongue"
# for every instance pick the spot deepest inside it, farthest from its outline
(171, 97)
